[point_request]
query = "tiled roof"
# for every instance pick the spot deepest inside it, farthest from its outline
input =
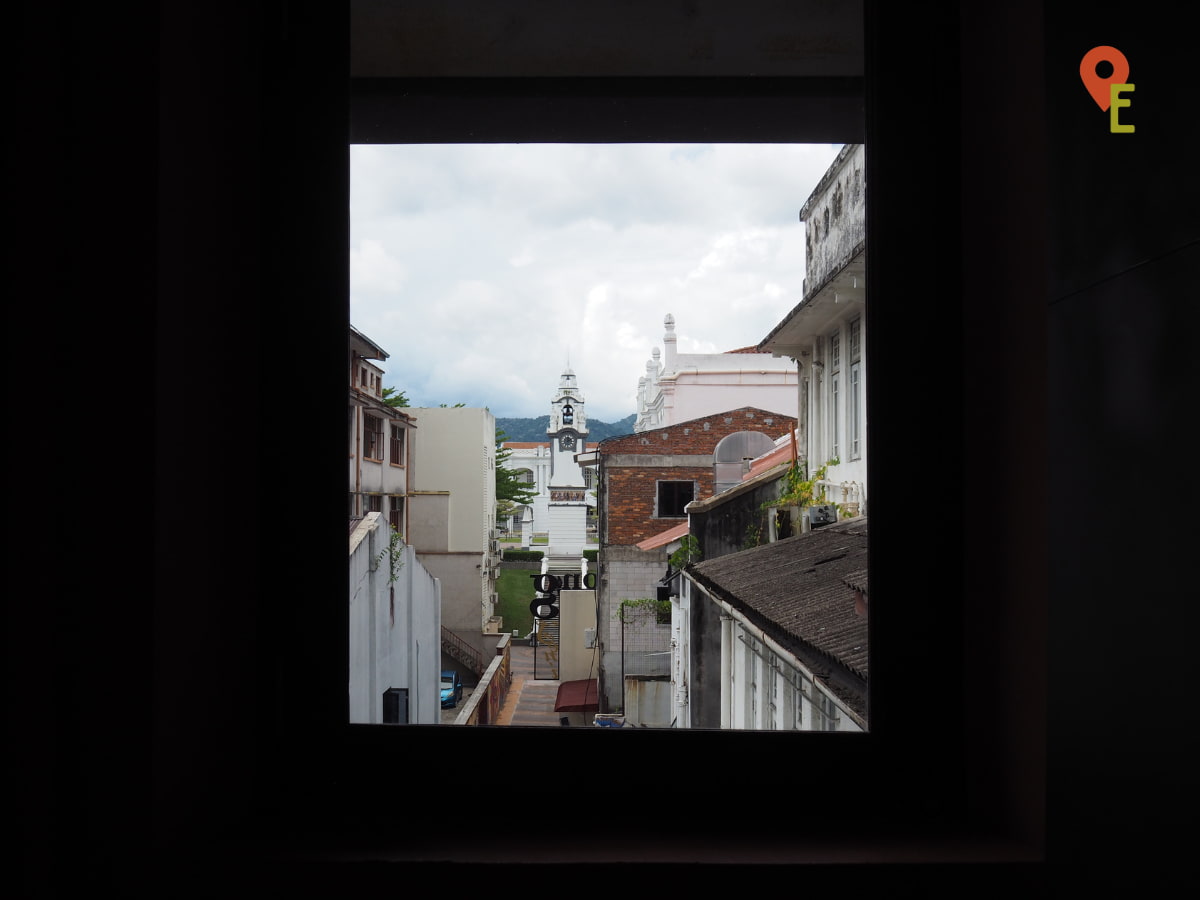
(770, 460)
(752, 349)
(796, 590)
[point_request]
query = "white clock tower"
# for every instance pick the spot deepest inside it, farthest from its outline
(568, 494)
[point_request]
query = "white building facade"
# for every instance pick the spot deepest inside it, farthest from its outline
(825, 334)
(568, 504)
(565, 490)
(452, 512)
(395, 630)
(678, 387)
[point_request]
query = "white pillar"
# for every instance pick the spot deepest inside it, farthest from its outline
(669, 343)
(526, 528)
(726, 669)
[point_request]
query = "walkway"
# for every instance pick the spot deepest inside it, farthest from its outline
(530, 700)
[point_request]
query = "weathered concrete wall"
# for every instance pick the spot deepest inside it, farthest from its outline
(648, 701)
(835, 217)
(737, 524)
(463, 610)
(626, 573)
(429, 522)
(704, 664)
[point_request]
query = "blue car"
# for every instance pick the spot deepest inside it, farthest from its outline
(451, 689)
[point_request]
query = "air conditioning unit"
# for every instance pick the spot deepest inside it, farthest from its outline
(495, 546)
(495, 598)
(821, 514)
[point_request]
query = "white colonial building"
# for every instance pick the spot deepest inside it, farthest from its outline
(825, 334)
(678, 387)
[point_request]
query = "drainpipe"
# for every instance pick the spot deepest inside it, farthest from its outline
(803, 378)
(677, 649)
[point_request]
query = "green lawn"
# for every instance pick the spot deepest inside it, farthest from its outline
(515, 587)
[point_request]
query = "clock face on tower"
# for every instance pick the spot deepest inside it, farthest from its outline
(566, 442)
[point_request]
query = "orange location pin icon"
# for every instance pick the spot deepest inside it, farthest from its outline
(1097, 86)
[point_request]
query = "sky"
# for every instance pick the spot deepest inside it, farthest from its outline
(485, 270)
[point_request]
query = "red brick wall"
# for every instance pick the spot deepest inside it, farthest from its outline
(629, 491)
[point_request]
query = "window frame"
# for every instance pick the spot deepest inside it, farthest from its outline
(373, 438)
(396, 504)
(892, 185)
(397, 444)
(658, 497)
(834, 387)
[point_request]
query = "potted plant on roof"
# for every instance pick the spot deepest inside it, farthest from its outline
(803, 499)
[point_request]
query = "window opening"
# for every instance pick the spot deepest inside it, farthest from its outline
(769, 694)
(673, 496)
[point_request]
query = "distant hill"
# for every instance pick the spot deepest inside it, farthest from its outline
(535, 429)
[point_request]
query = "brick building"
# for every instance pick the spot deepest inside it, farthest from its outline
(644, 483)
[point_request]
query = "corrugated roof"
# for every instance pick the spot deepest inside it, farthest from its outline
(664, 537)
(770, 460)
(857, 580)
(795, 589)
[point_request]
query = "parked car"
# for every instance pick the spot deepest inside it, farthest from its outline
(451, 689)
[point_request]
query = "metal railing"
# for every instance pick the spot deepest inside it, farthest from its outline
(462, 651)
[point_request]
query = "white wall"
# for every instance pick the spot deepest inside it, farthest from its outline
(769, 688)
(577, 613)
(455, 451)
(821, 421)
(393, 644)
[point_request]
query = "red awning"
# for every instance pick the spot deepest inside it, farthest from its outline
(577, 696)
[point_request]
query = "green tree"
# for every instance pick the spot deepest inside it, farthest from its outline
(511, 488)
(394, 398)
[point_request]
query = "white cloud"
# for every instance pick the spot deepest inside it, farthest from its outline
(483, 269)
